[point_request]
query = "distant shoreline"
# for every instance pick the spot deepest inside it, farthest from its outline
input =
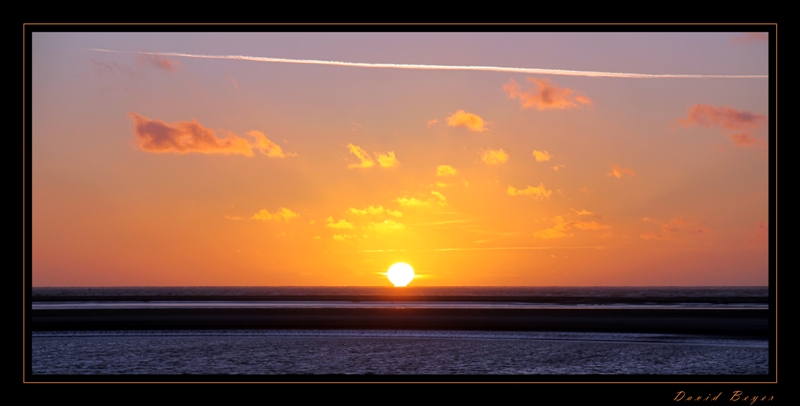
(558, 300)
(718, 322)
(489, 294)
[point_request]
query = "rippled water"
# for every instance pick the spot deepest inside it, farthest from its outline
(368, 352)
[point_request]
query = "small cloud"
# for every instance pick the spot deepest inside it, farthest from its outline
(750, 37)
(562, 227)
(446, 170)
(386, 225)
(705, 115)
(586, 190)
(266, 146)
(747, 140)
(160, 62)
(412, 202)
(744, 140)
(317, 237)
(372, 210)
(557, 167)
(461, 118)
(723, 116)
(341, 224)
(234, 218)
(387, 160)
(541, 156)
(363, 156)
(183, 137)
(312, 222)
(283, 214)
(343, 237)
(584, 213)
(538, 193)
(439, 196)
(617, 171)
(545, 95)
(494, 157)
(432, 122)
(369, 210)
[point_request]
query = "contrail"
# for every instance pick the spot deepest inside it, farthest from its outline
(539, 71)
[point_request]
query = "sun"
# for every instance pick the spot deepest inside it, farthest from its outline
(400, 274)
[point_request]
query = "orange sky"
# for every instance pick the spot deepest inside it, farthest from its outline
(152, 168)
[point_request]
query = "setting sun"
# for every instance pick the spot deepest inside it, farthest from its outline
(400, 274)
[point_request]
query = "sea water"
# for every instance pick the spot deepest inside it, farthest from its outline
(289, 353)
(300, 352)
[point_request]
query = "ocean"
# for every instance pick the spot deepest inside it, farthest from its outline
(438, 332)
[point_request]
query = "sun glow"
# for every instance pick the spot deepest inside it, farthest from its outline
(400, 274)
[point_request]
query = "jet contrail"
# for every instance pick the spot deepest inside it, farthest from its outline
(538, 71)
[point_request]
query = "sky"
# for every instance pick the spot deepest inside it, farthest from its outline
(320, 159)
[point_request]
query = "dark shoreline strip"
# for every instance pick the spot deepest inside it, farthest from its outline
(411, 298)
(741, 322)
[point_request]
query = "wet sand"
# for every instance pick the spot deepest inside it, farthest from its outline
(721, 322)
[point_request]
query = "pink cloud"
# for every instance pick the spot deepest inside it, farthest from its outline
(747, 140)
(705, 115)
(562, 227)
(545, 95)
(617, 171)
(183, 137)
(160, 62)
(723, 116)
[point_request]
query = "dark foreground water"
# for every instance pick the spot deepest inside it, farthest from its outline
(392, 353)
